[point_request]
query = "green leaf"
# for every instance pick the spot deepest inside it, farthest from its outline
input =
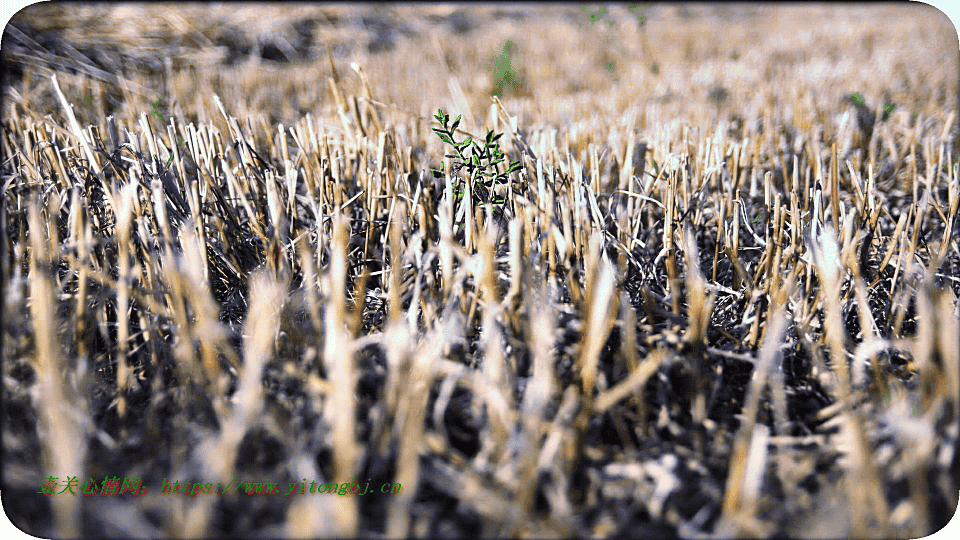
(454, 156)
(513, 167)
(446, 138)
(476, 161)
(489, 135)
(466, 141)
(455, 123)
(497, 136)
(887, 109)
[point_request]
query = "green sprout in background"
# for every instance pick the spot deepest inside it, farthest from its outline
(179, 138)
(155, 111)
(638, 11)
(600, 13)
(595, 15)
(161, 117)
(887, 110)
(888, 107)
(503, 70)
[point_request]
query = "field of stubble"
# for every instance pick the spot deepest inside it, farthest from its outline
(717, 296)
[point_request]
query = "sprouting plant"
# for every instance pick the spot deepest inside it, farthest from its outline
(480, 160)
(857, 98)
(887, 109)
(155, 111)
(595, 15)
(503, 70)
(180, 139)
(638, 11)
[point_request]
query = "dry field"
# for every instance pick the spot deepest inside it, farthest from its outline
(717, 298)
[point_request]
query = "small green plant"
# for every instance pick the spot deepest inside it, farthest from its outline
(480, 160)
(155, 111)
(637, 10)
(161, 117)
(595, 15)
(503, 70)
(179, 138)
(887, 110)
(858, 98)
(600, 13)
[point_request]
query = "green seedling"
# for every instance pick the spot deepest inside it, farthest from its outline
(594, 15)
(656, 168)
(758, 218)
(155, 111)
(479, 159)
(600, 13)
(858, 98)
(180, 139)
(887, 110)
(503, 70)
(637, 10)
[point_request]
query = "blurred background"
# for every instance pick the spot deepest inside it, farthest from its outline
(559, 63)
